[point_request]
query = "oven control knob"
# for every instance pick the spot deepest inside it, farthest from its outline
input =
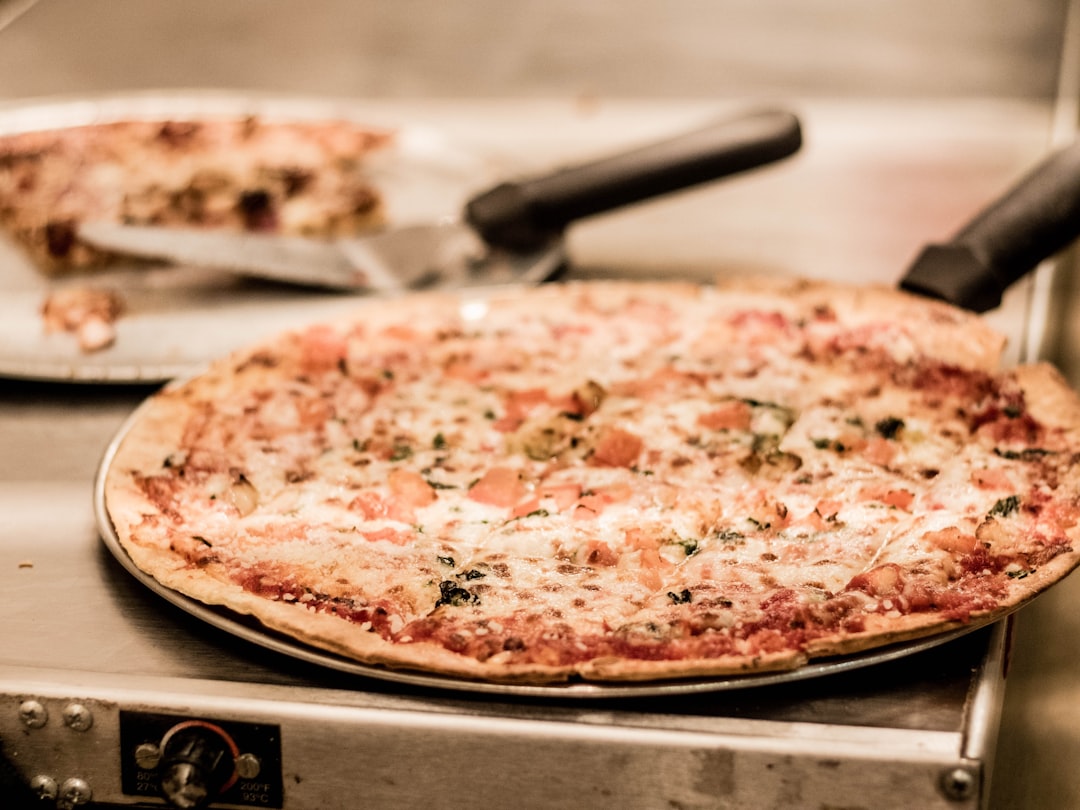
(198, 763)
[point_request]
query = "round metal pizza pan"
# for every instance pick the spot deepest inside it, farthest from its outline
(249, 630)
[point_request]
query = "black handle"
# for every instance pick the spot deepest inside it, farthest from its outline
(1035, 219)
(524, 215)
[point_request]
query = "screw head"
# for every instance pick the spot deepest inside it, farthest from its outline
(44, 787)
(147, 756)
(958, 784)
(33, 714)
(248, 766)
(75, 792)
(77, 717)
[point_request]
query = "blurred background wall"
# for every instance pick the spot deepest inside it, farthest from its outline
(539, 48)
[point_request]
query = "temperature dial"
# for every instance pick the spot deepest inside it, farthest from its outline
(198, 763)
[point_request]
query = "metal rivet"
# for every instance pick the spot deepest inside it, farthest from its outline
(44, 787)
(147, 756)
(248, 766)
(75, 792)
(33, 714)
(77, 717)
(958, 784)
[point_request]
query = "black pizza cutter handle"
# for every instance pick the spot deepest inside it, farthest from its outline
(526, 214)
(1035, 219)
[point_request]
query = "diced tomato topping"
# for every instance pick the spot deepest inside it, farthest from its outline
(645, 311)
(597, 552)
(395, 536)
(828, 508)
(369, 504)
(638, 538)
(465, 371)
(992, 479)
(617, 493)
(593, 503)
(952, 540)
(312, 412)
(321, 347)
(499, 486)
(824, 515)
(563, 495)
(885, 580)
(549, 496)
(401, 332)
(900, 498)
(880, 451)
(589, 507)
(617, 448)
(661, 380)
(562, 330)
(651, 565)
(526, 507)
(409, 487)
(518, 405)
(734, 415)
(756, 326)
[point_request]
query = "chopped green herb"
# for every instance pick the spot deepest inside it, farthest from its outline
(1027, 454)
(446, 561)
(439, 442)
(439, 484)
(173, 460)
(1012, 411)
(400, 452)
(1005, 506)
(680, 598)
(689, 544)
(472, 573)
(1019, 574)
(889, 427)
(450, 593)
(200, 539)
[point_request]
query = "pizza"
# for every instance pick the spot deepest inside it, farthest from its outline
(609, 481)
(240, 172)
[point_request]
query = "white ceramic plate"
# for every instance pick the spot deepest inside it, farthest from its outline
(177, 319)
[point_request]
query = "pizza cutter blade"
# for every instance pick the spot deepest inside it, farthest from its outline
(512, 232)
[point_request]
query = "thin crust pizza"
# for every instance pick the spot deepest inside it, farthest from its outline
(610, 481)
(242, 173)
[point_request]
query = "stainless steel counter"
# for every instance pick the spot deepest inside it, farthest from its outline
(874, 182)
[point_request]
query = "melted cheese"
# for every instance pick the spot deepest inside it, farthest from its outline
(602, 475)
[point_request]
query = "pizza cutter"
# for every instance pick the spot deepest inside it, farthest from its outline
(1032, 221)
(509, 233)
